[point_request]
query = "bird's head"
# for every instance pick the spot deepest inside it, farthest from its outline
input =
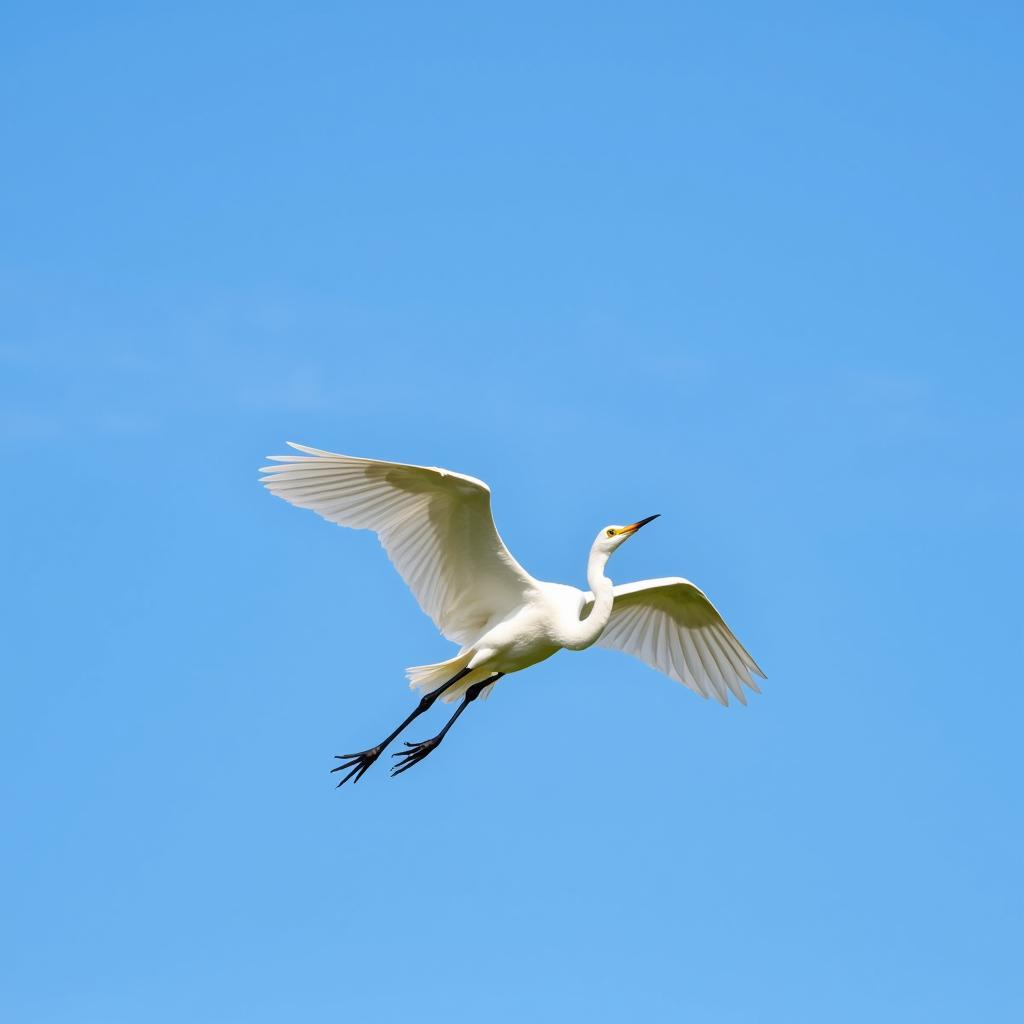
(612, 536)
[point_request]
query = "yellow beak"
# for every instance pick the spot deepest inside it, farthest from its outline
(633, 527)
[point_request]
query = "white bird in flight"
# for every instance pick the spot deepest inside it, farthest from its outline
(437, 529)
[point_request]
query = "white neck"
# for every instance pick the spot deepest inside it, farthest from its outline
(585, 632)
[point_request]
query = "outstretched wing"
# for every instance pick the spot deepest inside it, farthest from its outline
(672, 626)
(435, 526)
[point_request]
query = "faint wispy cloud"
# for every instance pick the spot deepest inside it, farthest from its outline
(20, 425)
(888, 389)
(123, 424)
(13, 353)
(293, 389)
(901, 403)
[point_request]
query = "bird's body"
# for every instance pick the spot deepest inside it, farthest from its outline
(436, 527)
(530, 634)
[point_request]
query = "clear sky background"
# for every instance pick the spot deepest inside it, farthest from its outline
(754, 267)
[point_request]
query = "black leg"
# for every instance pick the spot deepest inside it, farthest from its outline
(418, 751)
(360, 762)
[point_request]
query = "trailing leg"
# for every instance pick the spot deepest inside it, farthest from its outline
(418, 751)
(359, 763)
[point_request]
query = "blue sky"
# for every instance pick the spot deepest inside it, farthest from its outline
(754, 269)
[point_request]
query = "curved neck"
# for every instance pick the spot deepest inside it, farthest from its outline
(585, 632)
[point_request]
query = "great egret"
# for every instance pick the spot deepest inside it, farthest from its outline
(436, 528)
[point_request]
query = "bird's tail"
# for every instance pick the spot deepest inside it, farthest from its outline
(429, 677)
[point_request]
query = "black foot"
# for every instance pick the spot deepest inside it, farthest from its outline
(357, 762)
(415, 754)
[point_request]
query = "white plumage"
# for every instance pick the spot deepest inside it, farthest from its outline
(671, 625)
(437, 529)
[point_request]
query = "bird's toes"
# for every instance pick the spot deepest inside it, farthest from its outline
(353, 774)
(355, 764)
(423, 747)
(397, 769)
(415, 754)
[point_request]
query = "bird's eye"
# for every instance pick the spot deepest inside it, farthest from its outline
(609, 533)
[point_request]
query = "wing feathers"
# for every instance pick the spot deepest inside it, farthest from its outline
(435, 526)
(722, 666)
(672, 626)
(693, 665)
